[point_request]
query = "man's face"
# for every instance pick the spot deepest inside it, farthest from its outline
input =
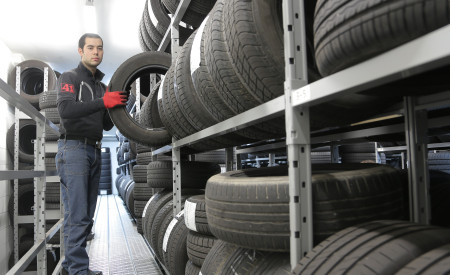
(92, 52)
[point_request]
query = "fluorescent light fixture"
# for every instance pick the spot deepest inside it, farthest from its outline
(90, 18)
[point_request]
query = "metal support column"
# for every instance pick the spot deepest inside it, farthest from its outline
(334, 153)
(16, 167)
(39, 196)
(138, 95)
(271, 160)
(229, 159)
(416, 141)
(176, 166)
(297, 131)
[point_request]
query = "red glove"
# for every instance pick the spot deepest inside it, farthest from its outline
(113, 99)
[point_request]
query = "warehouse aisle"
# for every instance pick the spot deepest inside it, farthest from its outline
(117, 247)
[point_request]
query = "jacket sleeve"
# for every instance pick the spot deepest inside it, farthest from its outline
(107, 122)
(68, 106)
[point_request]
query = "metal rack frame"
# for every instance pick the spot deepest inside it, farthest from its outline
(39, 174)
(417, 56)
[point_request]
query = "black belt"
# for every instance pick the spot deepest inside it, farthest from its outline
(96, 143)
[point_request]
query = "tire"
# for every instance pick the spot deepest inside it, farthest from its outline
(48, 99)
(27, 133)
(192, 269)
(149, 112)
(190, 17)
(195, 174)
(439, 194)
(151, 45)
(436, 261)
(343, 195)
(157, 201)
(195, 215)
(129, 199)
(142, 191)
(140, 173)
(349, 32)
(52, 193)
(378, 247)
(139, 207)
(52, 115)
(175, 252)
(134, 67)
(32, 80)
(159, 226)
(50, 134)
(144, 159)
(26, 199)
(225, 258)
(198, 246)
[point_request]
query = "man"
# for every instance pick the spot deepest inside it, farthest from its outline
(82, 103)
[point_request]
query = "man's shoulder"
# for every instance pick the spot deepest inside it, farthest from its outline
(72, 75)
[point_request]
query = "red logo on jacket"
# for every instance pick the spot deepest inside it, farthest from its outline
(67, 88)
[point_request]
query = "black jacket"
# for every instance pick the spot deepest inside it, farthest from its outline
(80, 106)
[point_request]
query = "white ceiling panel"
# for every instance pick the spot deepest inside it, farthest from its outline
(48, 30)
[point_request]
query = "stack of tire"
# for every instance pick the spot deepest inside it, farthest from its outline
(105, 184)
(166, 234)
(361, 152)
(155, 21)
(27, 133)
(248, 210)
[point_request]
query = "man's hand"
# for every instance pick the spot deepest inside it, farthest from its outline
(113, 99)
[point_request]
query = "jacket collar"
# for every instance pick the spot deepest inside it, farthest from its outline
(98, 74)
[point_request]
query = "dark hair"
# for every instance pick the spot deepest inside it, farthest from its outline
(82, 40)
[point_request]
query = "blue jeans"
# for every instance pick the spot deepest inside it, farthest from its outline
(78, 165)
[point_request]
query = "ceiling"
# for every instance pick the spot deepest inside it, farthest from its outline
(48, 30)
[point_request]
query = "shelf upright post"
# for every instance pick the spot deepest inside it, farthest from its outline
(16, 167)
(176, 166)
(297, 131)
(416, 141)
(138, 95)
(39, 188)
(334, 153)
(229, 159)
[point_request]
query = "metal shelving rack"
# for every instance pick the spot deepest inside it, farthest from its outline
(39, 174)
(423, 54)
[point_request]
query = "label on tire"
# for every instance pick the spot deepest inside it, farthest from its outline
(148, 203)
(189, 218)
(169, 230)
(195, 50)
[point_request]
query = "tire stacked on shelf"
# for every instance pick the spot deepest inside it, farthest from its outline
(250, 208)
(200, 240)
(360, 153)
(381, 247)
(105, 184)
(47, 104)
(27, 133)
(155, 21)
(32, 80)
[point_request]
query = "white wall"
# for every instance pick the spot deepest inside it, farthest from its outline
(6, 121)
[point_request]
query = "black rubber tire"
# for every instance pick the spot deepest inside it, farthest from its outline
(151, 45)
(378, 247)
(343, 195)
(139, 207)
(26, 199)
(142, 191)
(50, 134)
(142, 44)
(157, 202)
(195, 174)
(134, 67)
(348, 32)
(150, 27)
(199, 6)
(253, 32)
(27, 133)
(196, 212)
(149, 116)
(190, 17)
(175, 254)
(159, 226)
(192, 269)
(436, 261)
(439, 194)
(52, 193)
(139, 225)
(225, 258)
(52, 115)
(32, 80)
(140, 173)
(48, 99)
(198, 246)
(129, 199)
(144, 159)
(161, 15)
